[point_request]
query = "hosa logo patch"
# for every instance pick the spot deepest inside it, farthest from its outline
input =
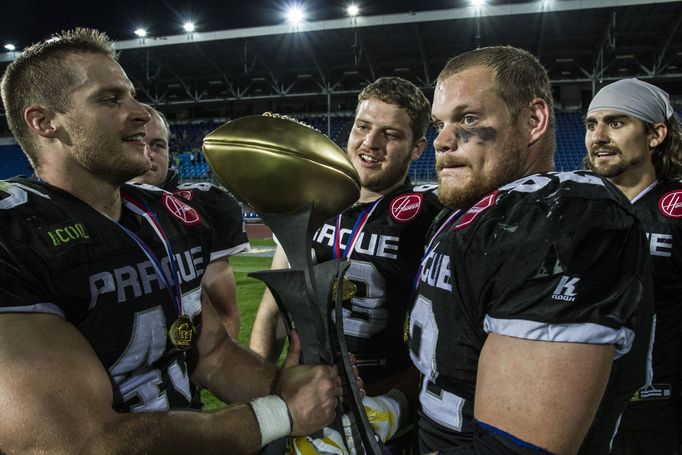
(67, 235)
(185, 194)
(480, 207)
(180, 210)
(406, 207)
(671, 204)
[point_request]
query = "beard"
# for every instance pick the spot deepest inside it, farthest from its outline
(466, 192)
(613, 170)
(385, 178)
(104, 156)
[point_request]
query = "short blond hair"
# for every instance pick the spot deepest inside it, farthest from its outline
(40, 75)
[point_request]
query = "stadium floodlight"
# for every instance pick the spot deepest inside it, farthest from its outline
(295, 14)
(353, 10)
(140, 32)
(10, 47)
(478, 3)
(189, 27)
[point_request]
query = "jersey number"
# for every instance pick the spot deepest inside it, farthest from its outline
(366, 316)
(146, 346)
(440, 405)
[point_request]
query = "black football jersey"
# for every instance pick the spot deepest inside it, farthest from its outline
(223, 211)
(60, 256)
(384, 261)
(552, 257)
(657, 407)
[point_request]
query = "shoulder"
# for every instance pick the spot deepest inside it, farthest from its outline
(551, 207)
(20, 195)
(564, 193)
(205, 193)
(415, 201)
(666, 199)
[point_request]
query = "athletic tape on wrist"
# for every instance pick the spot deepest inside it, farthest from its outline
(273, 416)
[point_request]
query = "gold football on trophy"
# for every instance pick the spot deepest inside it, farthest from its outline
(276, 165)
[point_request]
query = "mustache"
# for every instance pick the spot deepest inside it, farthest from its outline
(443, 161)
(604, 148)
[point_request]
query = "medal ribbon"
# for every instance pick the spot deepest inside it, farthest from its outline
(433, 244)
(172, 283)
(354, 233)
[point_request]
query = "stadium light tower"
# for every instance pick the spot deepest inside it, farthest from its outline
(140, 32)
(353, 10)
(189, 26)
(10, 47)
(295, 14)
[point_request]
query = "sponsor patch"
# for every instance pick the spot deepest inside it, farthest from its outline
(406, 207)
(671, 204)
(478, 208)
(180, 210)
(185, 194)
(64, 236)
(653, 392)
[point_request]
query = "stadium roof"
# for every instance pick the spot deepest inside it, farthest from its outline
(244, 58)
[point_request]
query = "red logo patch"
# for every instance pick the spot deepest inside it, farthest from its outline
(180, 210)
(185, 194)
(480, 207)
(671, 204)
(405, 207)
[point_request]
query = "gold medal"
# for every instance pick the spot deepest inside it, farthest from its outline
(348, 290)
(181, 332)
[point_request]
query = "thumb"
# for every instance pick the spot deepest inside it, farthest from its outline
(294, 352)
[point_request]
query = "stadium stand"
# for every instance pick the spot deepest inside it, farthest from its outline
(186, 140)
(13, 161)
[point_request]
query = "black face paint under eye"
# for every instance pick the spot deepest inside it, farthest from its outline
(484, 133)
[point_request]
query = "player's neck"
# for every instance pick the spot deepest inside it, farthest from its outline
(633, 183)
(100, 195)
(367, 195)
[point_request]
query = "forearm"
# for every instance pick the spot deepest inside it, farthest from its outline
(220, 290)
(236, 374)
(268, 334)
(233, 430)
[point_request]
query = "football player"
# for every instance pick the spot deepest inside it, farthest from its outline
(223, 211)
(533, 311)
(382, 235)
(100, 284)
(633, 138)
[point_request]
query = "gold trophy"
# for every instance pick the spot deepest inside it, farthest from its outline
(296, 178)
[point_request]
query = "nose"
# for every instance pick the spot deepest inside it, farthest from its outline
(445, 140)
(598, 135)
(373, 139)
(139, 114)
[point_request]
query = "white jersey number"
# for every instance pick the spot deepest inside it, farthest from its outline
(132, 372)
(443, 407)
(367, 315)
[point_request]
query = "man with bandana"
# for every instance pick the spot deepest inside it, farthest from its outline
(634, 139)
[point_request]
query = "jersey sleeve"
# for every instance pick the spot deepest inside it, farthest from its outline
(21, 289)
(567, 269)
(227, 222)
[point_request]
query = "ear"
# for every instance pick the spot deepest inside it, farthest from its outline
(538, 120)
(40, 120)
(659, 134)
(418, 148)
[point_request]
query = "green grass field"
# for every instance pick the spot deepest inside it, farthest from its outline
(249, 292)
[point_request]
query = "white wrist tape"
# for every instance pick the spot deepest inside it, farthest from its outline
(273, 418)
